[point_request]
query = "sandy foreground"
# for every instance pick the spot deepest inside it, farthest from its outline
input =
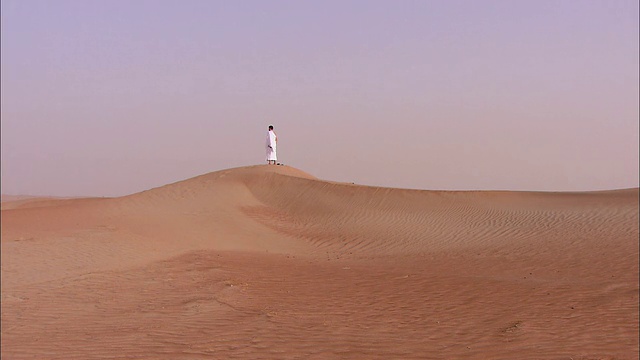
(268, 262)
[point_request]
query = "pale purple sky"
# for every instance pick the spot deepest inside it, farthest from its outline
(108, 98)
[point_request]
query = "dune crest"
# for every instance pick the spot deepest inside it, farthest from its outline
(271, 262)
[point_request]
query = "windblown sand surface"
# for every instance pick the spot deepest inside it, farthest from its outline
(269, 262)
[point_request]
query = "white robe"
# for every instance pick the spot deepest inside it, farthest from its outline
(271, 146)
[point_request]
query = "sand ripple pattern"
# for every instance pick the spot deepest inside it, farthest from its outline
(345, 219)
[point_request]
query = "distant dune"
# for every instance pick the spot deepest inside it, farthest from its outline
(22, 201)
(4, 198)
(271, 262)
(12, 198)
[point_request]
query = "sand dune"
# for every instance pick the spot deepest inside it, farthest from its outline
(8, 202)
(271, 262)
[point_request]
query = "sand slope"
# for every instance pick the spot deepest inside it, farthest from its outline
(270, 262)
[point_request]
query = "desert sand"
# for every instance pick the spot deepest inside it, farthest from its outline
(269, 262)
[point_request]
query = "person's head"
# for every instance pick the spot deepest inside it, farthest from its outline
(270, 127)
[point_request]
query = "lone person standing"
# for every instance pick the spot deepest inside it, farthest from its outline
(272, 143)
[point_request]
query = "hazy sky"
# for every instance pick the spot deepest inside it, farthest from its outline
(111, 97)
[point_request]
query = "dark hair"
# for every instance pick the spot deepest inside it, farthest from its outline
(270, 127)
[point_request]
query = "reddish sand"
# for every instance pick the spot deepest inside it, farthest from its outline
(268, 262)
